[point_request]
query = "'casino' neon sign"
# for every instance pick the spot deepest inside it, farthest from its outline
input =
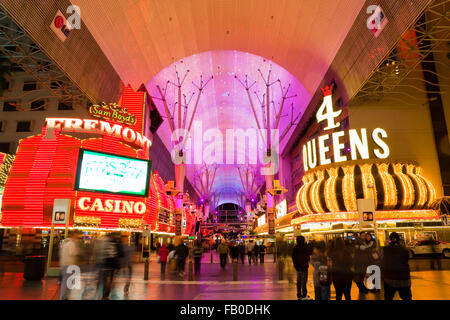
(315, 151)
(124, 133)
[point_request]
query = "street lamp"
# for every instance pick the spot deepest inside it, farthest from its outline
(276, 190)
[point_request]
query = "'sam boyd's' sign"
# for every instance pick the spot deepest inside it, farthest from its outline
(113, 112)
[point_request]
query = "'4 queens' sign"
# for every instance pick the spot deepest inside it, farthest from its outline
(316, 152)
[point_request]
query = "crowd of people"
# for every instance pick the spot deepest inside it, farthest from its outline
(336, 263)
(105, 257)
(341, 262)
(233, 251)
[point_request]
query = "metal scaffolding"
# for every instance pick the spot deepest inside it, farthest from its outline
(23, 53)
(402, 67)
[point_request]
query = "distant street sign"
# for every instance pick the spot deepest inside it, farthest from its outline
(366, 211)
(61, 209)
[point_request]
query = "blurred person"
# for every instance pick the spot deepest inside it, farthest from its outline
(361, 259)
(126, 264)
(223, 251)
(163, 254)
(197, 254)
(242, 252)
(262, 252)
(300, 257)
(435, 257)
(234, 252)
(250, 246)
(109, 254)
(321, 275)
(181, 253)
(395, 269)
(373, 254)
(341, 269)
(69, 255)
(255, 253)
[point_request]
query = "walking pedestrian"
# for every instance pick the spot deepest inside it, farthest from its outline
(395, 269)
(262, 252)
(435, 257)
(234, 252)
(300, 257)
(110, 253)
(70, 252)
(250, 247)
(163, 254)
(255, 253)
(321, 275)
(223, 251)
(126, 265)
(181, 253)
(361, 259)
(341, 272)
(197, 254)
(242, 252)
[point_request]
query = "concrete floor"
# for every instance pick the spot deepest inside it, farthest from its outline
(255, 282)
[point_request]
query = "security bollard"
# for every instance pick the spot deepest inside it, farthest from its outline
(280, 269)
(235, 270)
(146, 260)
(211, 257)
(191, 272)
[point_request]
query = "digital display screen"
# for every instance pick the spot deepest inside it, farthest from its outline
(103, 172)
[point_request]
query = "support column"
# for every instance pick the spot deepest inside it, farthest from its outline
(248, 209)
(436, 107)
(206, 205)
(270, 213)
(179, 178)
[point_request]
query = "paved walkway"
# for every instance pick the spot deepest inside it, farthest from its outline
(255, 282)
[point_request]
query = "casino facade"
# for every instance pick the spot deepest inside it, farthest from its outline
(101, 167)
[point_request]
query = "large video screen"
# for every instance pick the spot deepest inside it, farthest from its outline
(103, 172)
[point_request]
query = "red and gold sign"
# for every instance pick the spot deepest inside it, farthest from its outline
(112, 112)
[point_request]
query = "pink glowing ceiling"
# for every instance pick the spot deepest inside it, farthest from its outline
(224, 105)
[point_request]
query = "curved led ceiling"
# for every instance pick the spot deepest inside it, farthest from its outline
(224, 105)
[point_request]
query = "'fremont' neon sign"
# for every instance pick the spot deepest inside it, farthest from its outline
(97, 127)
(315, 151)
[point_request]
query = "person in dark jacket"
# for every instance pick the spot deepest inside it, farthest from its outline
(110, 253)
(361, 258)
(262, 252)
(234, 252)
(181, 252)
(300, 257)
(321, 275)
(242, 252)
(341, 272)
(223, 250)
(255, 253)
(197, 254)
(395, 269)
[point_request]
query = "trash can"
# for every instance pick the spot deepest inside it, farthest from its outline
(34, 267)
